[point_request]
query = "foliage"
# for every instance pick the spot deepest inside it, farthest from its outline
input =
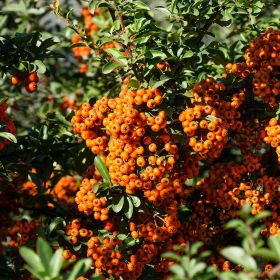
(46, 265)
(249, 256)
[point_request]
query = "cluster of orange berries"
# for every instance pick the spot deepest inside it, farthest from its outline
(65, 189)
(89, 203)
(262, 61)
(106, 255)
(83, 52)
(134, 135)
(225, 103)
(21, 232)
(159, 229)
(120, 131)
(230, 185)
(88, 19)
(29, 188)
(249, 135)
(67, 104)
(124, 139)
(75, 231)
(29, 79)
(205, 136)
(8, 124)
(273, 135)
(212, 115)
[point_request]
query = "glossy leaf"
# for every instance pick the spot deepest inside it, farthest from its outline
(9, 136)
(118, 203)
(101, 167)
(81, 267)
(238, 256)
(32, 259)
(45, 253)
(56, 262)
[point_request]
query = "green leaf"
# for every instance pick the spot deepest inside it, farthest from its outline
(95, 188)
(230, 275)
(177, 270)
(80, 44)
(172, 256)
(3, 99)
(32, 259)
(115, 53)
(188, 54)
(77, 247)
(141, 5)
(101, 167)
(80, 268)
(199, 267)
(156, 53)
(163, 11)
(9, 136)
(135, 200)
(56, 262)
(274, 243)
(46, 44)
(173, 6)
(17, 7)
(40, 66)
(129, 242)
(129, 211)
(92, 6)
(156, 84)
(238, 256)
(235, 224)
(266, 254)
(195, 247)
(55, 223)
(133, 84)
(188, 94)
(45, 252)
(117, 204)
(111, 66)
(33, 272)
(260, 216)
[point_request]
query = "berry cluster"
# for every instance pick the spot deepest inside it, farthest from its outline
(263, 62)
(89, 203)
(30, 81)
(21, 232)
(152, 154)
(65, 189)
(273, 135)
(206, 136)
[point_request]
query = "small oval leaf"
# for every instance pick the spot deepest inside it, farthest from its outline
(100, 165)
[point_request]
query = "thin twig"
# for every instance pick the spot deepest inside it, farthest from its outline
(126, 48)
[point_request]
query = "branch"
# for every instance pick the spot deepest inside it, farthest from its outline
(120, 17)
(58, 12)
(127, 49)
(207, 25)
(209, 22)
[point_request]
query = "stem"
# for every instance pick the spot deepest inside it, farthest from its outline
(127, 49)
(58, 12)
(208, 24)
